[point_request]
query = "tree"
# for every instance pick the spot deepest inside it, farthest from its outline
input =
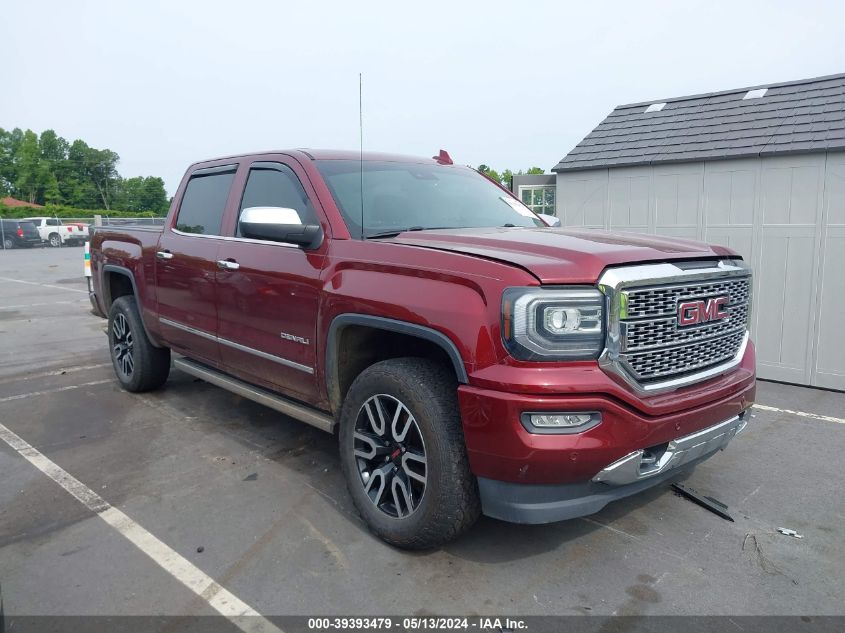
(31, 174)
(506, 177)
(53, 147)
(101, 168)
(492, 174)
(140, 194)
(46, 168)
(154, 196)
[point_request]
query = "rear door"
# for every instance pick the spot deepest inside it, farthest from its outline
(186, 267)
(268, 299)
(30, 233)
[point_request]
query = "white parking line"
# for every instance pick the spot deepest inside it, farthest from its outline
(35, 283)
(32, 394)
(220, 599)
(46, 303)
(56, 372)
(803, 414)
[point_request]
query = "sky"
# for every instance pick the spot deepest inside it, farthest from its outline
(507, 84)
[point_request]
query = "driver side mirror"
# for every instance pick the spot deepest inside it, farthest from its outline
(279, 224)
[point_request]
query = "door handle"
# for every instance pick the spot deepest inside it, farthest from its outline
(164, 255)
(227, 264)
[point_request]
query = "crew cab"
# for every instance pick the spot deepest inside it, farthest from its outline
(470, 358)
(55, 233)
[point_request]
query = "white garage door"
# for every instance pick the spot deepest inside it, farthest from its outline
(785, 215)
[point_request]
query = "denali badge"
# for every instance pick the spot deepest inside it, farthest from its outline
(294, 338)
(696, 312)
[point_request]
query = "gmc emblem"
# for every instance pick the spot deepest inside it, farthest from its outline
(697, 312)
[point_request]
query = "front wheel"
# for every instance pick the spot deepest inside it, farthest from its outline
(138, 364)
(402, 453)
(8, 243)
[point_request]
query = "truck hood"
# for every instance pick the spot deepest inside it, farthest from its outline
(557, 255)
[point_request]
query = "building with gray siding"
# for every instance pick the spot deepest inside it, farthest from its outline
(536, 191)
(761, 170)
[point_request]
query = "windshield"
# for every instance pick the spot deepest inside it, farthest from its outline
(400, 196)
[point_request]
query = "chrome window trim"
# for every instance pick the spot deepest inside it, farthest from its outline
(226, 238)
(237, 346)
(614, 281)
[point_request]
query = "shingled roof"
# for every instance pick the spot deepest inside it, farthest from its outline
(798, 116)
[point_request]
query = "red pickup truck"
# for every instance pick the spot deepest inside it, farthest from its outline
(470, 358)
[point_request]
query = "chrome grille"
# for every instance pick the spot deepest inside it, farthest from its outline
(661, 363)
(642, 335)
(652, 302)
(654, 348)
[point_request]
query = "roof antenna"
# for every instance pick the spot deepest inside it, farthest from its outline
(361, 146)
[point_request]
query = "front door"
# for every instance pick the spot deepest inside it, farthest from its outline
(186, 265)
(268, 296)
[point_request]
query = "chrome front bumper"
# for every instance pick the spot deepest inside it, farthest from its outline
(645, 463)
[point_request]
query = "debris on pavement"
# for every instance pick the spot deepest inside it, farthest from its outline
(716, 507)
(765, 563)
(789, 532)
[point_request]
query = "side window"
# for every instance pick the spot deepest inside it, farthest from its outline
(203, 203)
(277, 186)
(52, 222)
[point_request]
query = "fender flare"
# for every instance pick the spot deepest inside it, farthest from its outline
(342, 321)
(122, 270)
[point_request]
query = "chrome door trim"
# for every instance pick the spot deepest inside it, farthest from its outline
(266, 356)
(238, 346)
(187, 328)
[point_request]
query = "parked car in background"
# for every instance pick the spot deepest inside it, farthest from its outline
(55, 233)
(83, 228)
(19, 234)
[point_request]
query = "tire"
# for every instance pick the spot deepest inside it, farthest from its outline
(54, 240)
(8, 243)
(437, 498)
(138, 365)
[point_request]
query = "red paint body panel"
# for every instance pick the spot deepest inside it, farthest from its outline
(447, 280)
(500, 448)
(563, 256)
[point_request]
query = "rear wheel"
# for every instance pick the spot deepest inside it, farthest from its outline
(403, 456)
(55, 240)
(8, 243)
(138, 365)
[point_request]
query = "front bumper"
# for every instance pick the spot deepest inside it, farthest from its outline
(547, 503)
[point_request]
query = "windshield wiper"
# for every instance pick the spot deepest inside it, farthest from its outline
(396, 232)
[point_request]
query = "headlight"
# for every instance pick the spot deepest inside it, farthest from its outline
(553, 323)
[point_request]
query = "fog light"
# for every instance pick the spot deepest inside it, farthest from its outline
(560, 422)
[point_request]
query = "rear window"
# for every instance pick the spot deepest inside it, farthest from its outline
(204, 202)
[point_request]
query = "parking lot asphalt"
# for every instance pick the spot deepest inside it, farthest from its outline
(256, 501)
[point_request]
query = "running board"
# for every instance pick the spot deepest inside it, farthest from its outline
(300, 412)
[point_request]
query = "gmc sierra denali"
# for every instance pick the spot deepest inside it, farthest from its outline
(469, 358)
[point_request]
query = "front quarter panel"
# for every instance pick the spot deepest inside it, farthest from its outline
(456, 295)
